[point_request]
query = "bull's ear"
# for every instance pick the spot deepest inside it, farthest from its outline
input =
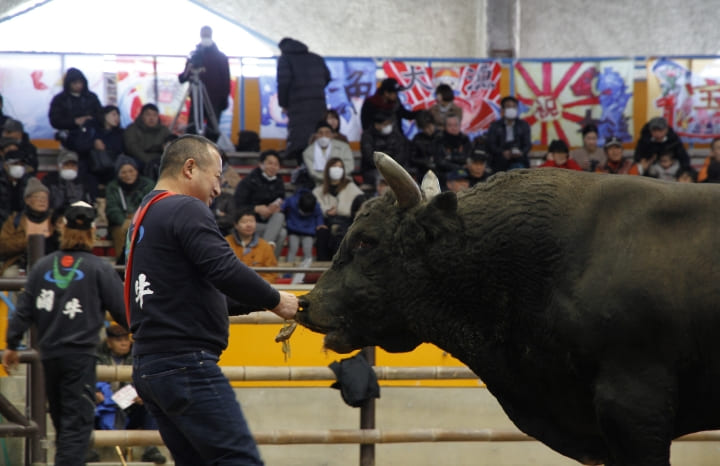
(445, 202)
(439, 216)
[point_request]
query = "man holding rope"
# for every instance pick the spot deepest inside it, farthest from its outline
(179, 270)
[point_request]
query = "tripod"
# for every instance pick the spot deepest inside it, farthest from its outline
(199, 101)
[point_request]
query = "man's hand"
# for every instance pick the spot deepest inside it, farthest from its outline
(288, 306)
(11, 358)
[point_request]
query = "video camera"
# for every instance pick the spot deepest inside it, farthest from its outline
(196, 57)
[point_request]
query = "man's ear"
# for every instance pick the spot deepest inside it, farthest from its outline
(188, 167)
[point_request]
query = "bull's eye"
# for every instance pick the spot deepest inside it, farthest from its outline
(364, 244)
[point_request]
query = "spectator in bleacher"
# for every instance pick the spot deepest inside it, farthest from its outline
(223, 206)
(301, 80)
(453, 148)
(303, 217)
(424, 145)
(14, 131)
(145, 137)
(615, 164)
(385, 101)
(123, 196)
(336, 197)
(72, 113)
(665, 168)
(444, 106)
(66, 185)
(687, 175)
(333, 119)
(713, 157)
(213, 70)
(109, 138)
(263, 191)
(589, 156)
(13, 179)
(115, 350)
(476, 166)
(559, 156)
(249, 247)
(383, 136)
(508, 138)
(34, 218)
(656, 136)
(3, 117)
(457, 180)
(325, 147)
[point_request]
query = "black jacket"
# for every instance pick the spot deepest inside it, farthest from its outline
(66, 296)
(646, 145)
(65, 192)
(255, 189)
(65, 107)
(496, 144)
(215, 76)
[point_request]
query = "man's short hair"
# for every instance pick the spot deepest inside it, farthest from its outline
(187, 146)
(243, 212)
(267, 153)
(446, 92)
(657, 123)
(149, 106)
(506, 99)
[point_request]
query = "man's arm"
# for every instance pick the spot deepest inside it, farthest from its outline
(284, 77)
(18, 325)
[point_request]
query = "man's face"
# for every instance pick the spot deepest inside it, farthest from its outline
(271, 165)
(69, 165)
(128, 174)
(476, 169)
(38, 201)
(323, 132)
(112, 118)
(614, 153)
(205, 184)
(390, 96)
(119, 346)
(77, 86)
(246, 225)
(452, 126)
(658, 134)
(14, 135)
(151, 118)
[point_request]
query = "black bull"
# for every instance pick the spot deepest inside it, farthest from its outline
(589, 304)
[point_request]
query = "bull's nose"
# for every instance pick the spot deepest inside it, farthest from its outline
(303, 304)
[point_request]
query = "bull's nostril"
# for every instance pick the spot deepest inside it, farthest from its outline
(303, 304)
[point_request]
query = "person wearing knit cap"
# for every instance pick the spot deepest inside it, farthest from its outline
(123, 196)
(65, 298)
(67, 185)
(34, 219)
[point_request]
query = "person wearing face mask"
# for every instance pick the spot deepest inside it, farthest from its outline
(325, 147)
(508, 139)
(336, 197)
(34, 218)
(444, 106)
(13, 179)
(123, 196)
(263, 191)
(657, 137)
(13, 130)
(385, 137)
(214, 72)
(66, 185)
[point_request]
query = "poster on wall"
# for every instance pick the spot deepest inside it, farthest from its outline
(476, 88)
(558, 98)
(687, 93)
(352, 81)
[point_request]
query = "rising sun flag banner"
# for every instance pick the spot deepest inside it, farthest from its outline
(476, 88)
(687, 93)
(558, 98)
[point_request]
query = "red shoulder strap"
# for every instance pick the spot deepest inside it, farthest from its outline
(135, 225)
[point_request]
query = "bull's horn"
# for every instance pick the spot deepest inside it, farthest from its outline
(406, 190)
(430, 185)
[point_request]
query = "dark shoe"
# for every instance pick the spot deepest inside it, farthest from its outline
(92, 456)
(153, 455)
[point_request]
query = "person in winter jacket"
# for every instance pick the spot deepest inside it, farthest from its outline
(263, 191)
(213, 70)
(508, 138)
(67, 185)
(145, 137)
(252, 250)
(304, 217)
(301, 80)
(66, 297)
(123, 196)
(657, 137)
(386, 101)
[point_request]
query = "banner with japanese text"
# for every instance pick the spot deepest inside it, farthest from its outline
(476, 88)
(558, 98)
(352, 81)
(687, 93)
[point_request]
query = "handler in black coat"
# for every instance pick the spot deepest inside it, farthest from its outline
(301, 80)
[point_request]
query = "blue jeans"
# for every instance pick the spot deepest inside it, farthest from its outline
(195, 407)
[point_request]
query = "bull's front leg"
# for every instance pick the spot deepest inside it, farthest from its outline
(636, 405)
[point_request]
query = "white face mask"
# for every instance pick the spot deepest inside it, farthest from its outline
(68, 174)
(336, 173)
(323, 142)
(206, 42)
(511, 113)
(386, 130)
(17, 171)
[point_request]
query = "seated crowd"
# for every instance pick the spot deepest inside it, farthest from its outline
(113, 167)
